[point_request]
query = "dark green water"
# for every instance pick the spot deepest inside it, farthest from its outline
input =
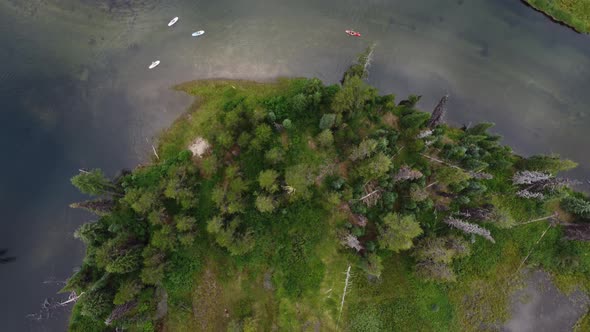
(75, 92)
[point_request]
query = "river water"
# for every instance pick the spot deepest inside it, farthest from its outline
(75, 92)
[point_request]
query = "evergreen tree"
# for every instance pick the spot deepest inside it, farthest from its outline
(415, 120)
(552, 164)
(97, 304)
(577, 206)
(93, 182)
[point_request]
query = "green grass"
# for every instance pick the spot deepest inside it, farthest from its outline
(574, 13)
(399, 301)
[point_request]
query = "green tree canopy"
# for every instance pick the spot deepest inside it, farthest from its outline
(325, 138)
(268, 180)
(398, 231)
(265, 204)
(375, 167)
(364, 150)
(414, 120)
(299, 177)
(353, 96)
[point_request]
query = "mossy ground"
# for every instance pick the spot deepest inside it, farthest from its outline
(574, 13)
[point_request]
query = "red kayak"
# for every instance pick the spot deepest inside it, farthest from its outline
(353, 33)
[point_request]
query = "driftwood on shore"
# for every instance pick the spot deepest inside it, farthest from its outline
(438, 113)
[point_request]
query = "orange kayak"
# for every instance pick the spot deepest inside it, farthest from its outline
(353, 33)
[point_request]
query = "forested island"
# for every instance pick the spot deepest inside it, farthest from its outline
(292, 205)
(573, 13)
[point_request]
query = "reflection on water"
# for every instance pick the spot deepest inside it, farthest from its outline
(75, 91)
(5, 258)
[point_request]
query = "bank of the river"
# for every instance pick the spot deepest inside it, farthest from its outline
(573, 13)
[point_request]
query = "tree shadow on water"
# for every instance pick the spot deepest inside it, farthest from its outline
(4, 259)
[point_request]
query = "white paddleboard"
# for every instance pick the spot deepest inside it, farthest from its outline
(154, 64)
(198, 33)
(173, 21)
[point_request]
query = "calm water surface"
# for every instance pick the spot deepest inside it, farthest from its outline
(75, 92)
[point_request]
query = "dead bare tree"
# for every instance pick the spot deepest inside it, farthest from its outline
(372, 194)
(51, 306)
(529, 177)
(535, 184)
(554, 215)
(120, 311)
(424, 134)
(481, 175)
(359, 220)
(529, 194)
(442, 162)
(533, 247)
(72, 298)
(407, 174)
(482, 213)
(353, 242)
(346, 284)
(469, 228)
(155, 153)
(577, 232)
(368, 59)
(98, 206)
(438, 113)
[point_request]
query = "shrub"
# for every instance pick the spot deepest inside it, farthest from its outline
(287, 124)
(325, 138)
(372, 265)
